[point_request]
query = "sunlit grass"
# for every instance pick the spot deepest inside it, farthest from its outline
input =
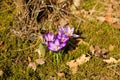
(15, 51)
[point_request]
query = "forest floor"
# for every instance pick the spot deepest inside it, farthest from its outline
(95, 55)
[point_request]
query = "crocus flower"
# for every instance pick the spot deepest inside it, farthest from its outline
(56, 45)
(49, 37)
(75, 35)
(67, 30)
(62, 37)
(57, 42)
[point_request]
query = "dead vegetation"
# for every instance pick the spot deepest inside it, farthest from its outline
(32, 13)
(38, 16)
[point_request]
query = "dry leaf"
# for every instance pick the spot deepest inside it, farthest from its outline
(32, 65)
(40, 61)
(115, 20)
(39, 53)
(111, 60)
(111, 47)
(60, 74)
(74, 69)
(83, 59)
(108, 18)
(52, 78)
(1, 72)
(92, 11)
(73, 64)
(111, 20)
(82, 42)
(76, 3)
(92, 49)
(116, 26)
(99, 52)
(108, 15)
(102, 19)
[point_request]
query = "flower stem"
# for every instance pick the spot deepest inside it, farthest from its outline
(57, 57)
(72, 44)
(50, 52)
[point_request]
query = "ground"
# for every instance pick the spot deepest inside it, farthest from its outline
(98, 25)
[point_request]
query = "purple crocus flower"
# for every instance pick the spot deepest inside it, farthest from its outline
(62, 37)
(56, 45)
(75, 35)
(49, 37)
(67, 30)
(57, 42)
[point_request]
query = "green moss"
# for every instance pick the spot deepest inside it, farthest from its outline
(15, 51)
(92, 5)
(101, 34)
